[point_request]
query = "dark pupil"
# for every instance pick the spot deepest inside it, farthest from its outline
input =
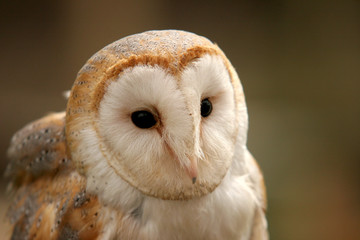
(143, 119)
(206, 107)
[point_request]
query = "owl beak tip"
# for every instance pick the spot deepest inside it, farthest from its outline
(194, 180)
(192, 170)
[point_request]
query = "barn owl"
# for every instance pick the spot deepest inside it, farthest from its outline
(152, 145)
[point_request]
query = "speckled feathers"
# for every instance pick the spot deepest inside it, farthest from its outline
(50, 200)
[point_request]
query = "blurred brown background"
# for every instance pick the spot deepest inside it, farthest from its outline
(299, 62)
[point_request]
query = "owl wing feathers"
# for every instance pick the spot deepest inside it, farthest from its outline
(37, 149)
(50, 198)
(259, 228)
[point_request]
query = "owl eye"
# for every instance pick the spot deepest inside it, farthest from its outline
(143, 119)
(206, 107)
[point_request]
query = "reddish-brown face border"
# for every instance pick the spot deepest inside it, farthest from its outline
(105, 67)
(172, 65)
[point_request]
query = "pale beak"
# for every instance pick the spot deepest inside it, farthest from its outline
(192, 170)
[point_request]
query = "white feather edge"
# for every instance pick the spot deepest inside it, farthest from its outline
(66, 94)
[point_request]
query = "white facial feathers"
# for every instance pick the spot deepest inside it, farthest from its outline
(182, 140)
(207, 78)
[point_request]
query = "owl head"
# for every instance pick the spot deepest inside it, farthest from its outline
(158, 113)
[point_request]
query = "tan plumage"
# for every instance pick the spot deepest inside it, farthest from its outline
(78, 174)
(50, 200)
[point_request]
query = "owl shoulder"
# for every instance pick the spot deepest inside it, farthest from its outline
(49, 195)
(259, 227)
